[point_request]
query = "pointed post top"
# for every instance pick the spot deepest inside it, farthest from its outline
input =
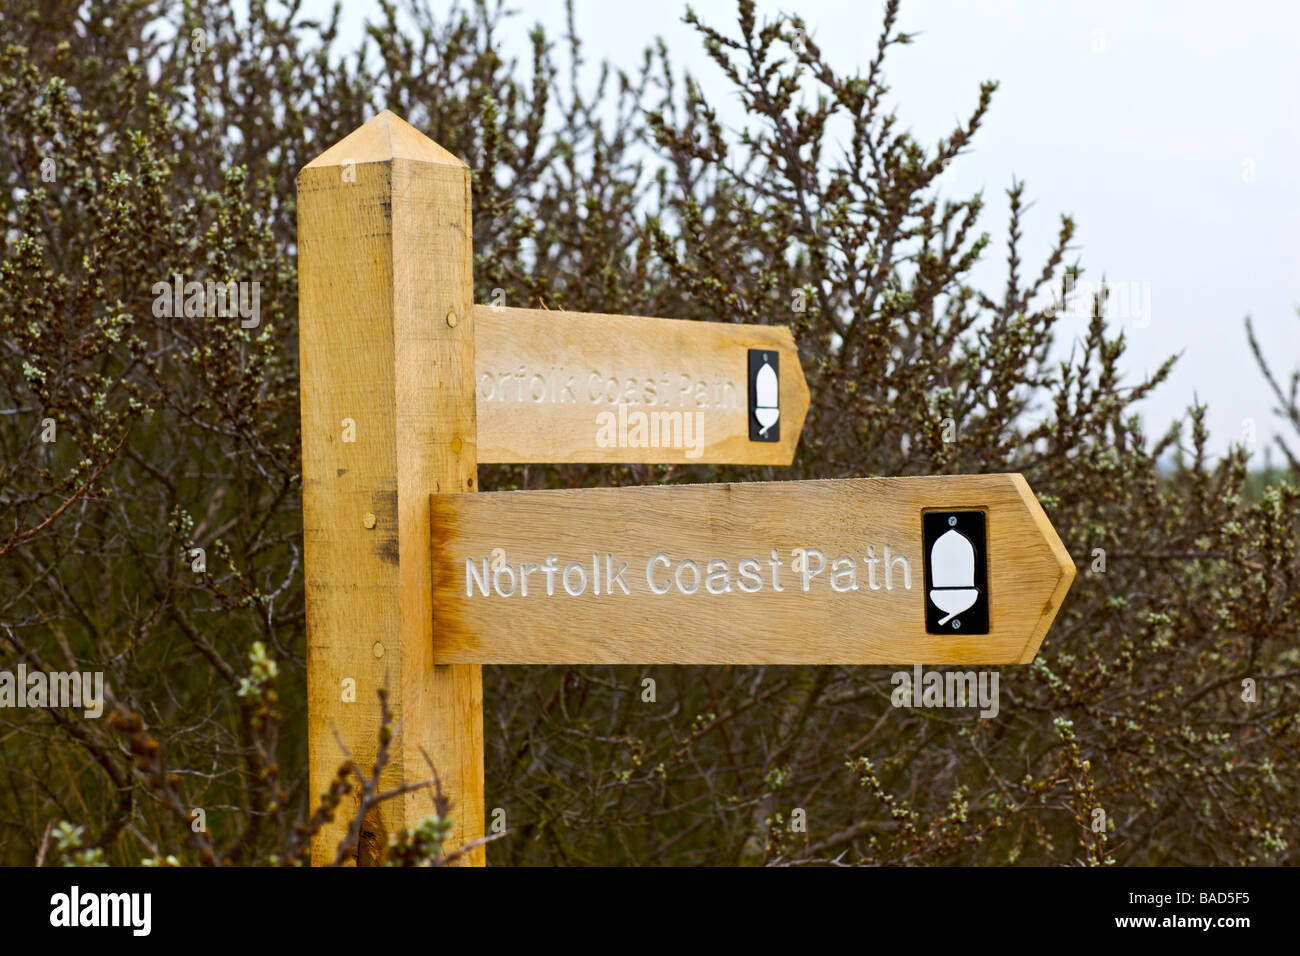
(384, 138)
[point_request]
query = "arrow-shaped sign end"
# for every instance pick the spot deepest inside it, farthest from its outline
(796, 411)
(1062, 559)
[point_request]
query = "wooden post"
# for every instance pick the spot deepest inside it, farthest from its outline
(386, 335)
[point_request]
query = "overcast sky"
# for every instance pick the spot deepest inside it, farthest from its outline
(1169, 130)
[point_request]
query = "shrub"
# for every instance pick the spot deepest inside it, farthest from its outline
(158, 539)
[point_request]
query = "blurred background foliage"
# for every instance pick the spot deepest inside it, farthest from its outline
(141, 139)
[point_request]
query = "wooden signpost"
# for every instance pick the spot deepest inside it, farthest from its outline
(414, 582)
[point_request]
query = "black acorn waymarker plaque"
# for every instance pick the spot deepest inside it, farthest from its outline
(956, 572)
(764, 395)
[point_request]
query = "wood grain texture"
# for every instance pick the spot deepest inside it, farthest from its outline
(384, 254)
(543, 378)
(1029, 574)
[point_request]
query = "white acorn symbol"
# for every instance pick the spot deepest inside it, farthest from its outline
(766, 397)
(952, 574)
